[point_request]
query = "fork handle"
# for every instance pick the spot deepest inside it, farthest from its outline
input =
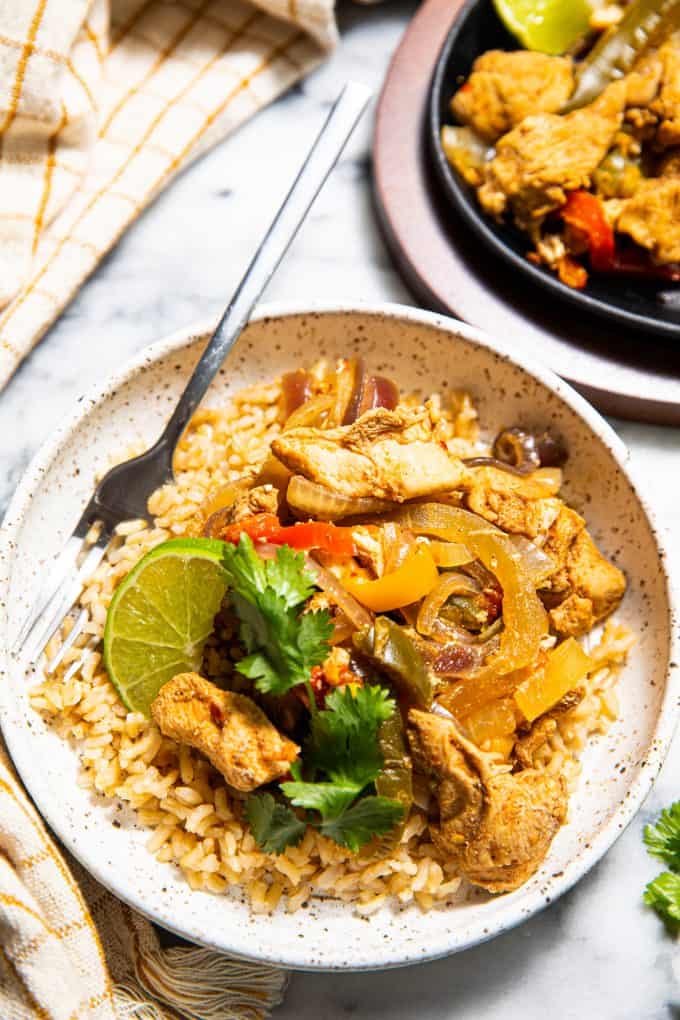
(322, 157)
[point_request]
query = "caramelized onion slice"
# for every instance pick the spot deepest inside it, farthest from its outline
(378, 392)
(328, 582)
(311, 413)
(308, 499)
(538, 564)
(450, 554)
(350, 378)
(430, 621)
(451, 523)
(296, 388)
(216, 507)
(524, 617)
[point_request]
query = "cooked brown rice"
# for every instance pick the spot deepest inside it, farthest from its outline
(194, 820)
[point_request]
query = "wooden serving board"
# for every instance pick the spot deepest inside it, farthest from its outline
(625, 373)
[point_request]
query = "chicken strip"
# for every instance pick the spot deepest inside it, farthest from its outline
(589, 585)
(666, 106)
(496, 827)
(504, 88)
(547, 155)
(391, 455)
(539, 733)
(496, 496)
(262, 499)
(652, 218)
(228, 728)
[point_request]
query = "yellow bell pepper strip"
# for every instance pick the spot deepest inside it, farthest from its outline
(566, 666)
(409, 583)
(496, 719)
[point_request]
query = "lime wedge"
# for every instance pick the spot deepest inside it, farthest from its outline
(161, 616)
(549, 26)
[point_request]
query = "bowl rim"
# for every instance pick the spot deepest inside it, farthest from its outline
(516, 911)
(460, 195)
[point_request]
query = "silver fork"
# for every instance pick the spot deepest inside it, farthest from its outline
(123, 493)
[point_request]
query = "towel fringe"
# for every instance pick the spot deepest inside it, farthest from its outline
(132, 1004)
(199, 984)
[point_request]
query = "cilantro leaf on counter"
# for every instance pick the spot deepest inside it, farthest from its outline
(663, 896)
(283, 644)
(663, 839)
(274, 825)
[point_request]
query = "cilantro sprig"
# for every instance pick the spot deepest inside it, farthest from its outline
(663, 895)
(663, 841)
(343, 758)
(283, 643)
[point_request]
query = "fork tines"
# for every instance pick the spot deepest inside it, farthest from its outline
(64, 583)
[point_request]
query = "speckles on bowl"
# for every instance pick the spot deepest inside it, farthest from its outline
(425, 353)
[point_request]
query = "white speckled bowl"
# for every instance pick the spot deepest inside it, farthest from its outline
(424, 352)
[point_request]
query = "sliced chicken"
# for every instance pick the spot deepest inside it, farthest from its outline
(393, 455)
(547, 155)
(531, 742)
(591, 587)
(504, 88)
(585, 586)
(574, 616)
(263, 499)
(666, 106)
(228, 728)
(495, 826)
(495, 495)
(652, 218)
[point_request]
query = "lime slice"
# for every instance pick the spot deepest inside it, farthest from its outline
(549, 26)
(161, 616)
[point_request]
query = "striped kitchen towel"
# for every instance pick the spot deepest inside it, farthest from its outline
(70, 951)
(102, 102)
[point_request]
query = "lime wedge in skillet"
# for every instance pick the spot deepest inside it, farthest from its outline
(161, 616)
(549, 26)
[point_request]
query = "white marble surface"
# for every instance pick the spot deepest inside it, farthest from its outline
(597, 953)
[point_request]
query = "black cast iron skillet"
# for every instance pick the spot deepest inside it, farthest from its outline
(646, 305)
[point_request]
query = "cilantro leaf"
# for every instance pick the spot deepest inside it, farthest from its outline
(287, 576)
(328, 798)
(344, 747)
(344, 739)
(274, 826)
(368, 817)
(663, 839)
(663, 895)
(283, 644)
(250, 575)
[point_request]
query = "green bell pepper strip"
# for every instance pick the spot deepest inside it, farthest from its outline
(391, 650)
(644, 24)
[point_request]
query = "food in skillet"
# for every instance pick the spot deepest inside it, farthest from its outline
(581, 157)
(353, 656)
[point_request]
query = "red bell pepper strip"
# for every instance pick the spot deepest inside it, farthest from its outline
(636, 262)
(310, 535)
(585, 213)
